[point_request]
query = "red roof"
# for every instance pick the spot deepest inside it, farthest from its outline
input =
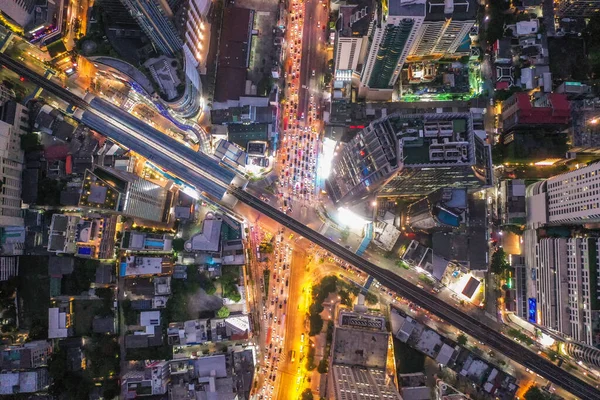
(56, 152)
(557, 111)
(69, 165)
(502, 85)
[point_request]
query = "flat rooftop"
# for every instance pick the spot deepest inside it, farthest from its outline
(360, 347)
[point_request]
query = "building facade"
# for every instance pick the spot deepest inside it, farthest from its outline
(569, 198)
(354, 23)
(14, 120)
(566, 287)
(446, 26)
(410, 155)
(155, 18)
(390, 41)
(512, 201)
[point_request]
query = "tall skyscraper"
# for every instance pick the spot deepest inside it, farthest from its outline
(390, 41)
(351, 42)
(410, 155)
(14, 119)
(569, 198)
(565, 278)
(445, 28)
(577, 8)
(155, 19)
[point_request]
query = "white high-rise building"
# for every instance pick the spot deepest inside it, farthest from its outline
(354, 23)
(390, 41)
(14, 119)
(445, 28)
(569, 198)
(565, 277)
(197, 32)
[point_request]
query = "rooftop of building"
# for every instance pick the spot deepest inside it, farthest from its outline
(552, 108)
(360, 347)
(20, 382)
(407, 8)
(241, 134)
(131, 266)
(458, 10)
(355, 18)
(209, 239)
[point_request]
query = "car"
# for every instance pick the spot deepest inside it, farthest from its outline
(313, 72)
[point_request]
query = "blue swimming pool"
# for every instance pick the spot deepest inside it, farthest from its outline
(154, 243)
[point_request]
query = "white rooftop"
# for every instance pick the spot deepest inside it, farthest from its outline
(150, 318)
(57, 324)
(143, 266)
(445, 354)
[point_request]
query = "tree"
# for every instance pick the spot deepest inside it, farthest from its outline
(345, 234)
(307, 394)
(316, 324)
(223, 312)
(499, 262)
(323, 366)
(535, 393)
(178, 245)
(31, 142)
(371, 298)
(462, 339)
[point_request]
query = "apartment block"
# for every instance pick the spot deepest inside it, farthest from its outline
(410, 156)
(14, 120)
(445, 28)
(390, 41)
(569, 198)
(155, 17)
(354, 23)
(565, 276)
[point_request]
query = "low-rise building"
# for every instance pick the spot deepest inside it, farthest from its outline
(490, 378)
(131, 266)
(25, 356)
(86, 237)
(213, 330)
(550, 111)
(142, 241)
(60, 321)
(512, 202)
(12, 383)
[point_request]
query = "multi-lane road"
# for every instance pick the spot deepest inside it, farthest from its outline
(181, 166)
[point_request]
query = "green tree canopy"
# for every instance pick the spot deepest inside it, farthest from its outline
(499, 262)
(461, 339)
(223, 312)
(535, 393)
(307, 394)
(178, 244)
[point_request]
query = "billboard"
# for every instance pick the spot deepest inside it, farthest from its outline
(532, 314)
